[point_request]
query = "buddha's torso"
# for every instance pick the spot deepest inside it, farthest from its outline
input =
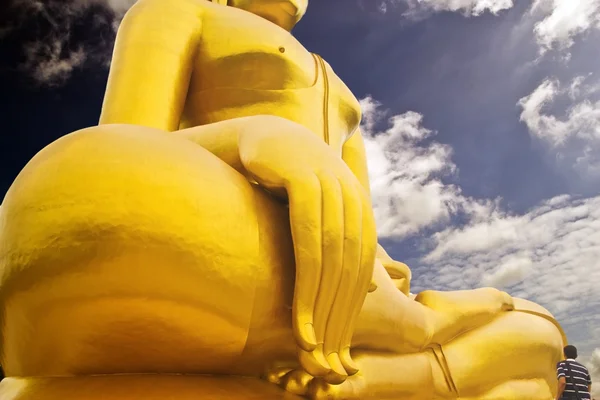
(246, 65)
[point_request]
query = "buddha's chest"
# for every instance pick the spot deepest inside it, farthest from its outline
(246, 65)
(240, 49)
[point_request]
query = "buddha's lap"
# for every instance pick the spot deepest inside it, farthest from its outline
(135, 251)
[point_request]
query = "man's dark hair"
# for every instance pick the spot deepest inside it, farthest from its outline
(571, 352)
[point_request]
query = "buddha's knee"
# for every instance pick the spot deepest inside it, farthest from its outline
(113, 238)
(126, 196)
(128, 185)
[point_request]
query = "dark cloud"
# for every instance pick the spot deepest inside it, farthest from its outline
(46, 41)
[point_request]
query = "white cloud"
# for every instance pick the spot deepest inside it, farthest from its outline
(406, 170)
(563, 21)
(575, 138)
(510, 272)
(468, 7)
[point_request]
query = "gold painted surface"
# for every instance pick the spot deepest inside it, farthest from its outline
(140, 387)
(218, 221)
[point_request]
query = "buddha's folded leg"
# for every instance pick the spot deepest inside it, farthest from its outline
(392, 321)
(125, 249)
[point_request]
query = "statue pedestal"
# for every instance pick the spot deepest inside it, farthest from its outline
(141, 387)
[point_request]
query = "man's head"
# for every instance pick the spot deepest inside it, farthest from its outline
(285, 13)
(570, 352)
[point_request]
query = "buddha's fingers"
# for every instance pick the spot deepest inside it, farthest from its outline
(367, 261)
(306, 222)
(341, 312)
(333, 254)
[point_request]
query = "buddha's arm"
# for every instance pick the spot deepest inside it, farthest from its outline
(354, 155)
(152, 64)
(221, 139)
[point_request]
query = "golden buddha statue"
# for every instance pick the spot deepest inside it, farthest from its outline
(218, 222)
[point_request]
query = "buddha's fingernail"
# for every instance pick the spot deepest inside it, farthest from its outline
(348, 362)
(320, 358)
(338, 374)
(310, 338)
(315, 362)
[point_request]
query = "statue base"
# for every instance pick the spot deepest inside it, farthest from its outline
(141, 387)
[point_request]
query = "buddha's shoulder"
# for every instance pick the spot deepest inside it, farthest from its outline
(188, 7)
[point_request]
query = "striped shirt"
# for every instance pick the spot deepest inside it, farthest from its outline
(577, 375)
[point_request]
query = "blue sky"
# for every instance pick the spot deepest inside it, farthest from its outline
(482, 126)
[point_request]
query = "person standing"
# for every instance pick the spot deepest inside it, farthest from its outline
(574, 381)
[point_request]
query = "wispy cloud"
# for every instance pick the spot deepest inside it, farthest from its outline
(48, 63)
(51, 47)
(467, 7)
(573, 139)
(563, 20)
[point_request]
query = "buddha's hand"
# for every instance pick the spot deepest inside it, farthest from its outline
(334, 237)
